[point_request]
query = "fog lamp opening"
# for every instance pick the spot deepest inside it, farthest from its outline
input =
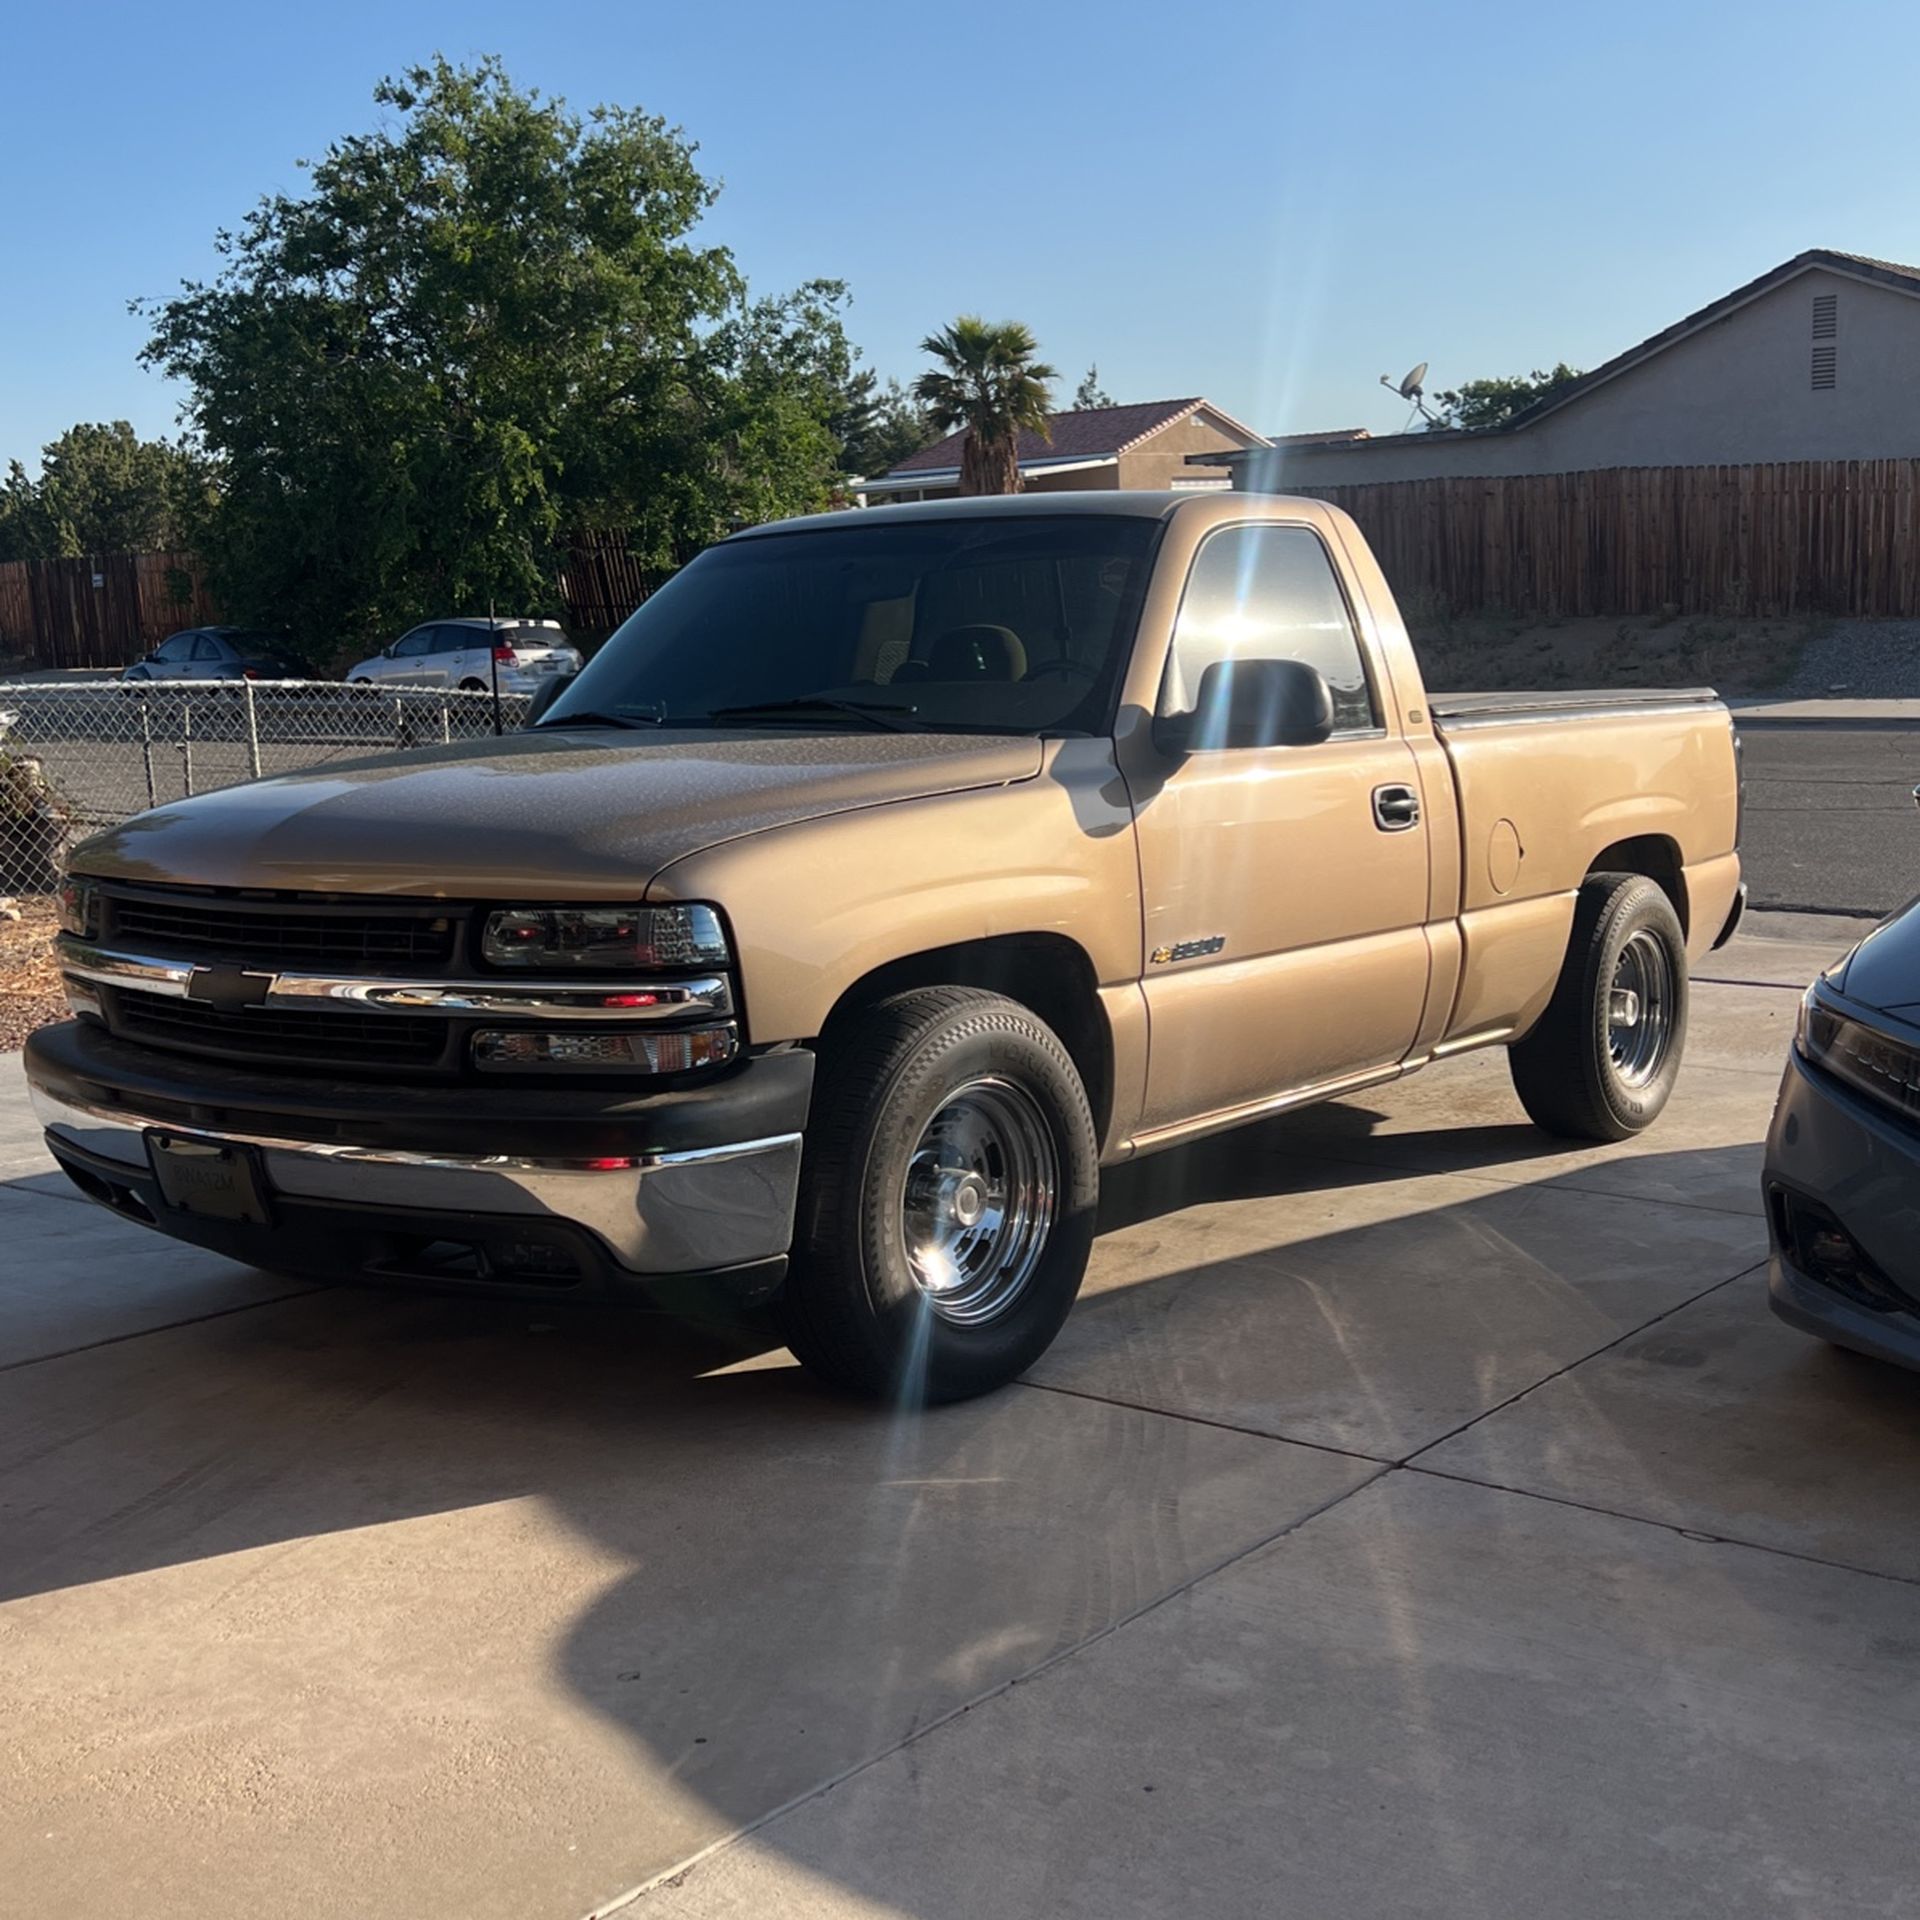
(1820, 1246)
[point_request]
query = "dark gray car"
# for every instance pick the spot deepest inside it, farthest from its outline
(1842, 1175)
(217, 653)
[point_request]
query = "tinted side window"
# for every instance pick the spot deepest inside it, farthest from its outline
(1267, 593)
(409, 645)
(206, 648)
(179, 647)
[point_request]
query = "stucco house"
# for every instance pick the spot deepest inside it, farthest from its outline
(1818, 359)
(1156, 444)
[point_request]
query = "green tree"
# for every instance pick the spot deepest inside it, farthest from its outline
(484, 326)
(878, 426)
(1090, 393)
(989, 383)
(1491, 403)
(102, 489)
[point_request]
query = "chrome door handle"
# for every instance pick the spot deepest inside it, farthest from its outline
(1395, 809)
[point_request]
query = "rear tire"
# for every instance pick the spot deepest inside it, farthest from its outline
(1602, 1061)
(473, 686)
(947, 1199)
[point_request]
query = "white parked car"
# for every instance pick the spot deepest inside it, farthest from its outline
(464, 654)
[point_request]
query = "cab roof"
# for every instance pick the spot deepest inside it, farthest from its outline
(1012, 506)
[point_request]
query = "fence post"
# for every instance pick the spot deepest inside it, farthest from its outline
(253, 733)
(146, 744)
(186, 746)
(399, 721)
(446, 721)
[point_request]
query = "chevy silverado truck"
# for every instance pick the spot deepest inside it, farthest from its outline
(884, 879)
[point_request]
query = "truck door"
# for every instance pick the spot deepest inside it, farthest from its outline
(1285, 888)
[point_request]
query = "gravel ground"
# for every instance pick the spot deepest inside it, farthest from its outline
(1865, 659)
(30, 993)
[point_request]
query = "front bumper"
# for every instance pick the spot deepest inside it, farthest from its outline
(545, 1187)
(1859, 1166)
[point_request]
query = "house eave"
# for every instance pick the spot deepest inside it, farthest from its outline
(950, 476)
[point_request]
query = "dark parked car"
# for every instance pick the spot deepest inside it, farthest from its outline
(1842, 1176)
(218, 653)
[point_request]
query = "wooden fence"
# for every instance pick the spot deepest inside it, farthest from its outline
(1810, 536)
(109, 609)
(100, 611)
(601, 583)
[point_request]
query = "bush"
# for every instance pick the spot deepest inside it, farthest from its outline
(35, 827)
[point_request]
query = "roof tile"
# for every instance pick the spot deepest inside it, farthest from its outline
(1092, 433)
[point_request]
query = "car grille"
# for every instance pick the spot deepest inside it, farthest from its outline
(290, 934)
(350, 1042)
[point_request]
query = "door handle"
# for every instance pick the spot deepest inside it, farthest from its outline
(1395, 809)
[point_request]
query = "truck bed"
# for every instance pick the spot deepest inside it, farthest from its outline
(1455, 710)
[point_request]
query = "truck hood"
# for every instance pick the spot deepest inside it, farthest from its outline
(553, 814)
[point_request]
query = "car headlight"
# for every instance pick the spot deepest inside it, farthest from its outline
(605, 939)
(80, 908)
(1886, 1069)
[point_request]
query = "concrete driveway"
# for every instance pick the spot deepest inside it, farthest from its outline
(1415, 1518)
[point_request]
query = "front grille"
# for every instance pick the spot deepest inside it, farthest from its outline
(347, 1041)
(271, 934)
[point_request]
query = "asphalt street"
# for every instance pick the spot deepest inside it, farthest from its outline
(1831, 825)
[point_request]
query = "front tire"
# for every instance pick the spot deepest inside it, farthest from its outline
(1602, 1062)
(947, 1198)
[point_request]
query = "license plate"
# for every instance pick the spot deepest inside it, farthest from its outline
(208, 1177)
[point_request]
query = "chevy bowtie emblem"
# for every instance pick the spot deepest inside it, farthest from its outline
(228, 989)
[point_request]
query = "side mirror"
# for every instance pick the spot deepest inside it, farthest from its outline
(1254, 703)
(386, 653)
(551, 687)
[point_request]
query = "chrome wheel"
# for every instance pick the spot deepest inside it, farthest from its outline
(979, 1200)
(1640, 1009)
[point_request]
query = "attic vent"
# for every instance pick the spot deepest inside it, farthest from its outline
(1826, 316)
(1823, 367)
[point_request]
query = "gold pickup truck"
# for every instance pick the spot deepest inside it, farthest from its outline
(882, 880)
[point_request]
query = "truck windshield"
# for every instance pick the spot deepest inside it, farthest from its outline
(993, 626)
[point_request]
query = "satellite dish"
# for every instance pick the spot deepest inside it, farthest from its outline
(1413, 388)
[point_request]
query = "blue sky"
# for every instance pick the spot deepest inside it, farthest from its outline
(1270, 204)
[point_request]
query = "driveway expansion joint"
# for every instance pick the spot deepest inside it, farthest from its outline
(1560, 1373)
(169, 1326)
(679, 1871)
(1699, 1535)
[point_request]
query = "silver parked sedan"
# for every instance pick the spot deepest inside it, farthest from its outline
(1842, 1175)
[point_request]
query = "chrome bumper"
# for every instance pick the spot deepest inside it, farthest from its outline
(657, 1213)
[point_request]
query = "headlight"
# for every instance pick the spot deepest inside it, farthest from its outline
(1886, 1069)
(605, 939)
(80, 908)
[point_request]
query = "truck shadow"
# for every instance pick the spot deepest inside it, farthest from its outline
(776, 1584)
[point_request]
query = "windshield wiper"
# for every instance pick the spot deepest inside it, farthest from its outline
(877, 713)
(595, 717)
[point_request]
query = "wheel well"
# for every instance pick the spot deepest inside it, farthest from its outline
(1654, 857)
(1045, 972)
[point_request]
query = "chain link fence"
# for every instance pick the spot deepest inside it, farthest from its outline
(76, 756)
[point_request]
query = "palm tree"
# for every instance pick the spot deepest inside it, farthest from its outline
(989, 383)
